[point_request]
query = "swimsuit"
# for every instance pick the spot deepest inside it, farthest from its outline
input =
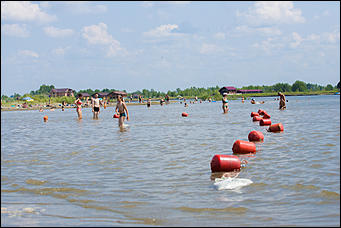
(96, 109)
(122, 114)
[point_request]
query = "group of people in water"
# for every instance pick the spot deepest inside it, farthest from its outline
(121, 108)
(122, 111)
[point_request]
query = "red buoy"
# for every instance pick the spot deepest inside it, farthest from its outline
(256, 118)
(263, 122)
(276, 127)
(46, 118)
(266, 116)
(243, 147)
(261, 112)
(225, 163)
(254, 114)
(256, 136)
(184, 114)
(116, 116)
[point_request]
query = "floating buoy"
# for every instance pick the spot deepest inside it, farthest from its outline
(256, 118)
(184, 114)
(261, 112)
(276, 127)
(46, 118)
(254, 114)
(266, 116)
(116, 116)
(263, 122)
(256, 136)
(225, 163)
(243, 147)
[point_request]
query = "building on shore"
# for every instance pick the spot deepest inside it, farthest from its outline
(228, 90)
(62, 92)
(115, 94)
(249, 91)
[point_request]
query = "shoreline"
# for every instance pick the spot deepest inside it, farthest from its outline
(9, 109)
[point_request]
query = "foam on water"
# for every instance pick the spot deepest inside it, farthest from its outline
(231, 183)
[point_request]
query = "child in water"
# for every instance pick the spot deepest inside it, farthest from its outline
(121, 110)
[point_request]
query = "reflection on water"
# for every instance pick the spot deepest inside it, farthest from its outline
(156, 171)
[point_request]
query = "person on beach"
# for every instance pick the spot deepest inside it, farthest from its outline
(96, 102)
(225, 103)
(149, 102)
(122, 111)
(243, 99)
(281, 101)
(162, 101)
(78, 103)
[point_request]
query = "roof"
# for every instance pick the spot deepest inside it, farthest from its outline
(228, 88)
(61, 90)
(116, 93)
(250, 90)
(85, 94)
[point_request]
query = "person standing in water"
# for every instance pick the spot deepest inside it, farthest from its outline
(78, 103)
(281, 101)
(121, 110)
(95, 106)
(149, 102)
(225, 103)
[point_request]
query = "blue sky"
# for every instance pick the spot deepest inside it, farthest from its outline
(167, 45)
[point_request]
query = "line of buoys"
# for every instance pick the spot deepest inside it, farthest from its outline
(225, 163)
(243, 147)
(254, 114)
(184, 114)
(276, 127)
(256, 136)
(257, 118)
(261, 112)
(116, 116)
(266, 116)
(46, 118)
(263, 122)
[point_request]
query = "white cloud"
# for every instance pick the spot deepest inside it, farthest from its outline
(24, 11)
(209, 48)
(269, 45)
(272, 12)
(15, 30)
(163, 31)
(219, 36)
(98, 35)
(56, 32)
(270, 31)
(85, 7)
(60, 51)
(28, 53)
(297, 40)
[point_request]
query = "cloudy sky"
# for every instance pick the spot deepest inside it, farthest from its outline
(167, 45)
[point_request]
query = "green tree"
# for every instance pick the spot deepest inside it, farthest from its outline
(329, 87)
(338, 85)
(299, 86)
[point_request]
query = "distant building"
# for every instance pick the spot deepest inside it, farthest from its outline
(115, 94)
(228, 90)
(62, 92)
(84, 95)
(103, 95)
(249, 91)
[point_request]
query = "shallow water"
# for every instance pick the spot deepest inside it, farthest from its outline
(156, 172)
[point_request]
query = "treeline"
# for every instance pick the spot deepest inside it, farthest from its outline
(203, 93)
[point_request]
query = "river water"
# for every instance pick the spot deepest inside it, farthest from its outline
(156, 172)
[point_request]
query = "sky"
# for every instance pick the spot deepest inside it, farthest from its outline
(167, 45)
